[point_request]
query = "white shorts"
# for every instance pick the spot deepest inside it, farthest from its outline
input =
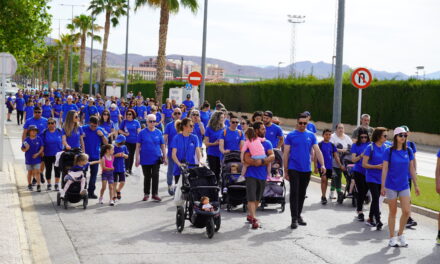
(391, 194)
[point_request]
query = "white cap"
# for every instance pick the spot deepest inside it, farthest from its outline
(113, 106)
(399, 130)
(91, 99)
(70, 97)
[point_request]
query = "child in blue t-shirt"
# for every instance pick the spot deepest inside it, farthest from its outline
(329, 152)
(120, 154)
(33, 148)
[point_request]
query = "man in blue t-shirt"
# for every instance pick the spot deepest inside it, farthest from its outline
(19, 105)
(256, 175)
(169, 134)
(274, 133)
(297, 151)
(188, 103)
(94, 136)
(37, 120)
(90, 110)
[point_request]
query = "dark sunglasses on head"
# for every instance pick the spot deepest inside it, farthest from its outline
(234, 122)
(302, 123)
(403, 135)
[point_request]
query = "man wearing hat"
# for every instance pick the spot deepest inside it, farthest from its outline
(188, 103)
(274, 133)
(37, 120)
(69, 105)
(90, 110)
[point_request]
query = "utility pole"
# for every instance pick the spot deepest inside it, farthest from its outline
(91, 58)
(202, 85)
(124, 93)
(294, 20)
(337, 96)
(181, 69)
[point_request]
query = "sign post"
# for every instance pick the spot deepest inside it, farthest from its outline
(8, 66)
(361, 78)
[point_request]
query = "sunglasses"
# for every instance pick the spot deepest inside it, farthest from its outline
(151, 121)
(364, 137)
(195, 114)
(403, 135)
(243, 123)
(234, 122)
(105, 114)
(129, 114)
(302, 123)
(51, 123)
(37, 112)
(177, 113)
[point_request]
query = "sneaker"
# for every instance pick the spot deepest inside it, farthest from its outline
(118, 195)
(411, 223)
(30, 188)
(402, 241)
(294, 224)
(255, 224)
(156, 198)
(56, 186)
(146, 197)
(379, 225)
(83, 192)
(301, 221)
(350, 195)
(38, 188)
(100, 200)
(112, 203)
(370, 222)
(49, 187)
(360, 217)
(43, 180)
(62, 193)
(323, 200)
(332, 195)
(170, 190)
(249, 219)
(34, 181)
(241, 178)
(393, 242)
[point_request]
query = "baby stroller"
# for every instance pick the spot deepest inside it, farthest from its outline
(233, 192)
(349, 177)
(275, 190)
(72, 195)
(196, 183)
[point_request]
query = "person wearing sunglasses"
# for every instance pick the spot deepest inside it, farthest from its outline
(130, 128)
(213, 133)
(107, 125)
(205, 113)
(297, 163)
(68, 106)
(72, 132)
(169, 134)
(37, 120)
(188, 102)
(184, 111)
(90, 110)
(150, 153)
(373, 163)
(199, 128)
(274, 133)
(53, 143)
(398, 162)
(357, 153)
(232, 139)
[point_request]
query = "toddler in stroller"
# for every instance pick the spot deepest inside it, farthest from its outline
(233, 190)
(275, 189)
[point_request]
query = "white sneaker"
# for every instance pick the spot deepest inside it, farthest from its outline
(100, 200)
(112, 203)
(332, 195)
(402, 241)
(393, 242)
(62, 193)
(241, 178)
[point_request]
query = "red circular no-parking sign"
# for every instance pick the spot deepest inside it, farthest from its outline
(195, 78)
(361, 78)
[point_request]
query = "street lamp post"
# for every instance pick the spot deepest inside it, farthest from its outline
(126, 52)
(419, 68)
(294, 20)
(58, 54)
(91, 59)
(337, 94)
(279, 63)
(202, 85)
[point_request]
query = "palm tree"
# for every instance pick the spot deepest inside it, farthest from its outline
(113, 10)
(84, 24)
(166, 7)
(51, 56)
(67, 42)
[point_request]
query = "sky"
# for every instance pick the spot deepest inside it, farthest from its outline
(388, 35)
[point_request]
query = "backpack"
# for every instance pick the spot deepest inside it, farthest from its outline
(391, 152)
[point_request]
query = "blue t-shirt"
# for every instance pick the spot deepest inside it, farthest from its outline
(398, 168)
(26, 97)
(301, 144)
(328, 150)
(53, 142)
(74, 140)
(273, 132)
(100, 108)
(205, 116)
(198, 133)
(374, 175)
(114, 115)
(92, 142)
(170, 130)
(47, 111)
(168, 112)
(227, 123)
(232, 139)
(311, 127)
(150, 141)
(119, 162)
(107, 126)
(10, 102)
(131, 127)
(213, 136)
(34, 146)
(66, 108)
(122, 110)
(57, 110)
(88, 112)
(259, 172)
(40, 123)
(189, 104)
(158, 119)
(140, 111)
(186, 149)
(19, 104)
(358, 150)
(29, 110)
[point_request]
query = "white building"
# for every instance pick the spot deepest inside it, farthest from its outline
(148, 73)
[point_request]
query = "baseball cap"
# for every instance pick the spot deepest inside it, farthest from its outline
(33, 127)
(113, 106)
(307, 113)
(399, 130)
(188, 96)
(120, 139)
(405, 127)
(268, 113)
(91, 99)
(70, 97)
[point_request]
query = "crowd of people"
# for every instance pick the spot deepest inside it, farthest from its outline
(117, 133)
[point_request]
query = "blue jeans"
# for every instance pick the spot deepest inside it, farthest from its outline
(93, 173)
(170, 174)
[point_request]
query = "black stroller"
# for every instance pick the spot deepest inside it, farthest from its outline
(349, 177)
(275, 190)
(196, 183)
(72, 195)
(233, 192)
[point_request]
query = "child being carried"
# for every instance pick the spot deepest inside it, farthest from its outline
(254, 144)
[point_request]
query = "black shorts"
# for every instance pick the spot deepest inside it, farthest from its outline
(119, 176)
(10, 110)
(328, 174)
(254, 189)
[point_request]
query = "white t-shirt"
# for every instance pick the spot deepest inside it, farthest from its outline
(340, 143)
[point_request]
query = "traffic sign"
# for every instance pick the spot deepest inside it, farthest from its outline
(195, 78)
(188, 87)
(361, 78)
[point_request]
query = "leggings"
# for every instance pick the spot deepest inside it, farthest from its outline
(20, 115)
(151, 172)
(131, 147)
(49, 161)
(214, 165)
(362, 188)
(299, 181)
(375, 194)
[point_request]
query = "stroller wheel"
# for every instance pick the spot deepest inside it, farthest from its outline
(283, 207)
(210, 227)
(217, 222)
(66, 203)
(228, 207)
(58, 199)
(180, 219)
(85, 202)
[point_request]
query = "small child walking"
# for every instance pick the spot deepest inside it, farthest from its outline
(254, 144)
(76, 174)
(120, 154)
(33, 148)
(107, 159)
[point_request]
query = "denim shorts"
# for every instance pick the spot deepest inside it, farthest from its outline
(30, 167)
(108, 176)
(392, 194)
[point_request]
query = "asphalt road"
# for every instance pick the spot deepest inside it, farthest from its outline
(144, 232)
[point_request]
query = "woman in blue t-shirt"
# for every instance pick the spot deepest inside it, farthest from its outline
(57, 107)
(107, 124)
(398, 161)
(72, 132)
(130, 128)
(357, 153)
(53, 143)
(212, 139)
(167, 112)
(373, 163)
(47, 109)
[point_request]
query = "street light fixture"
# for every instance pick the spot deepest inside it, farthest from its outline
(279, 63)
(294, 20)
(419, 68)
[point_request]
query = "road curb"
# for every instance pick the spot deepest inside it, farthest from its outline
(414, 208)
